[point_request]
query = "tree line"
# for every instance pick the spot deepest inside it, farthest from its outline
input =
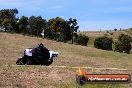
(56, 28)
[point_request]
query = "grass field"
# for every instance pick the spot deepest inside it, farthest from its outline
(11, 75)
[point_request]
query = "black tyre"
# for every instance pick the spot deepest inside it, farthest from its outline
(81, 80)
(49, 63)
(21, 61)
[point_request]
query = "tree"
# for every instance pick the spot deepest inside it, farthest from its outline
(115, 29)
(8, 19)
(123, 44)
(23, 23)
(104, 43)
(36, 25)
(58, 29)
(73, 26)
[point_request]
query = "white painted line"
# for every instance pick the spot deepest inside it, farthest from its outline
(73, 67)
(89, 68)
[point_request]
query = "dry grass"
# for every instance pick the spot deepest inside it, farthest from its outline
(13, 45)
(115, 33)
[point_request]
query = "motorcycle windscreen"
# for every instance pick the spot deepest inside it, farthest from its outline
(28, 52)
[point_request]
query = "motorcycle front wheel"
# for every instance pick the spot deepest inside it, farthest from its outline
(20, 61)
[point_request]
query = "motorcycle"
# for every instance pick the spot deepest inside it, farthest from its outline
(33, 57)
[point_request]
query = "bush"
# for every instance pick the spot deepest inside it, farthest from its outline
(111, 33)
(104, 43)
(118, 47)
(81, 39)
(123, 44)
(107, 32)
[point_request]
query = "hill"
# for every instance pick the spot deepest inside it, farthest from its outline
(111, 33)
(11, 75)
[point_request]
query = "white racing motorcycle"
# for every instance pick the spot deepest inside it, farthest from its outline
(38, 56)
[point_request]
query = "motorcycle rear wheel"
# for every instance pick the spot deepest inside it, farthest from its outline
(49, 63)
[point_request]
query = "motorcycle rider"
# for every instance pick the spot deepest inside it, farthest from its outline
(40, 53)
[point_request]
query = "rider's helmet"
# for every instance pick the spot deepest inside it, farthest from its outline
(40, 46)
